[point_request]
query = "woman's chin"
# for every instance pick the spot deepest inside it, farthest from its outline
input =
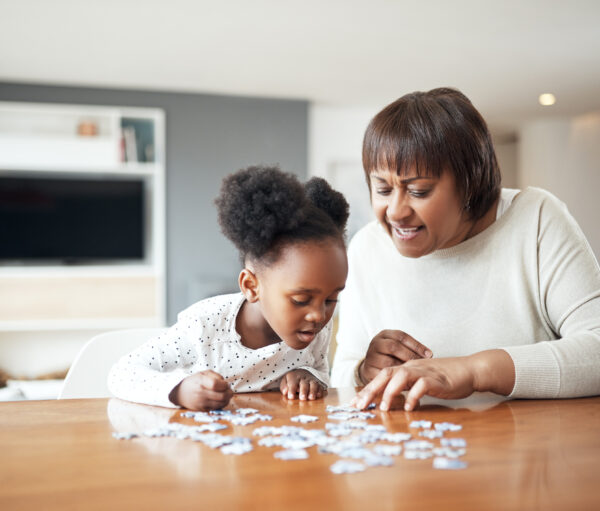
(408, 250)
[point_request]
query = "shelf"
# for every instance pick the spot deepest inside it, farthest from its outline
(81, 270)
(56, 141)
(79, 324)
(65, 153)
(67, 137)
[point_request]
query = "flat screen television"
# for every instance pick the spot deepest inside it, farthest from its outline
(70, 220)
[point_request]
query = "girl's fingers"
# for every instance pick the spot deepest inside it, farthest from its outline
(313, 390)
(304, 386)
(292, 388)
(213, 404)
(214, 396)
(213, 381)
(283, 385)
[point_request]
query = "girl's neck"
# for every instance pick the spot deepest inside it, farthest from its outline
(254, 331)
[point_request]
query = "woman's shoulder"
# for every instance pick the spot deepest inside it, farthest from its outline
(367, 237)
(540, 205)
(536, 197)
(547, 214)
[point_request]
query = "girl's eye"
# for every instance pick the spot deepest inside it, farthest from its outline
(383, 191)
(301, 302)
(331, 301)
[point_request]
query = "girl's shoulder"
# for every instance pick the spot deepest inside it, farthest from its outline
(222, 306)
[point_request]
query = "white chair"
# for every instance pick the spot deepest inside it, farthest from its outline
(88, 373)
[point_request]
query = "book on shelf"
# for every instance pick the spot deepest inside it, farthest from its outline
(129, 138)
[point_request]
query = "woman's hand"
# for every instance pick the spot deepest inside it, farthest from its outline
(302, 383)
(206, 390)
(390, 348)
(447, 378)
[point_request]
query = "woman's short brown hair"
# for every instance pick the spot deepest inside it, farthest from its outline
(435, 131)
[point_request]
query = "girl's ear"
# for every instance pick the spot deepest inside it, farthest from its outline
(248, 285)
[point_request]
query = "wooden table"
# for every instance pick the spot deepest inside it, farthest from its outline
(520, 454)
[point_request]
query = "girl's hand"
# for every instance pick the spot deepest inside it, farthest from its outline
(390, 348)
(302, 383)
(206, 390)
(447, 378)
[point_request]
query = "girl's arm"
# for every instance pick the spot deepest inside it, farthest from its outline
(149, 373)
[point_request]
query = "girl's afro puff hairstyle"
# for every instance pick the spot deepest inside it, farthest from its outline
(262, 209)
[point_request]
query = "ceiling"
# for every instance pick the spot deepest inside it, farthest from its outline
(502, 54)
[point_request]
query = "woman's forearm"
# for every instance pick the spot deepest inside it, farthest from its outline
(494, 371)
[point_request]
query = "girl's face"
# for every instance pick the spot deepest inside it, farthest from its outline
(421, 214)
(298, 293)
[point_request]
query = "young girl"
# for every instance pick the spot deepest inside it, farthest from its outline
(276, 331)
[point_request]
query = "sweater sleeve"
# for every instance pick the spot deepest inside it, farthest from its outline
(352, 337)
(149, 373)
(569, 294)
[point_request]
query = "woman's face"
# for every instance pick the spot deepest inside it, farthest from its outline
(421, 214)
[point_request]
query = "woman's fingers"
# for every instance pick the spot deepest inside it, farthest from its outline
(404, 347)
(396, 384)
(366, 395)
(417, 391)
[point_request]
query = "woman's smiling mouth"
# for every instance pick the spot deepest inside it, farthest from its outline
(406, 233)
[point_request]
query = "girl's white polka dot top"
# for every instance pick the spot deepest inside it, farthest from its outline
(203, 338)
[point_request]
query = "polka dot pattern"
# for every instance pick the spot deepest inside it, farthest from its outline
(203, 338)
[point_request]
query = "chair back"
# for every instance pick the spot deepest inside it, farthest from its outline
(88, 373)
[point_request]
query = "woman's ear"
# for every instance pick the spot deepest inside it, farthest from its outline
(248, 285)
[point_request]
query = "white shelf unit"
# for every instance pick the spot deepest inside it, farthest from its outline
(56, 140)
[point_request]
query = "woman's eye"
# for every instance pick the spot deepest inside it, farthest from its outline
(382, 191)
(331, 301)
(418, 193)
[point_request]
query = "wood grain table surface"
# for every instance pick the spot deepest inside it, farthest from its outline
(520, 454)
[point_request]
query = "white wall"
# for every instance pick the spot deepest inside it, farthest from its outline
(335, 153)
(563, 156)
(507, 154)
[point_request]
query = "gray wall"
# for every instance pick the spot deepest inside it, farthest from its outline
(208, 136)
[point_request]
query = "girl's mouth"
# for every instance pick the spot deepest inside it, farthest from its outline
(307, 335)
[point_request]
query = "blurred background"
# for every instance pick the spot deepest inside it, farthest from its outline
(174, 95)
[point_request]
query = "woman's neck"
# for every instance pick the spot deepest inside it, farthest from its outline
(254, 331)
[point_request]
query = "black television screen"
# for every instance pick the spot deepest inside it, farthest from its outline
(71, 219)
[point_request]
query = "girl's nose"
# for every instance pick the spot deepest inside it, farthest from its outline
(317, 314)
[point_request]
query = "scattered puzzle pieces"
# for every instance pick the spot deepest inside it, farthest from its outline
(350, 437)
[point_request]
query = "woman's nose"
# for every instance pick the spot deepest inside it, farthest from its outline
(398, 208)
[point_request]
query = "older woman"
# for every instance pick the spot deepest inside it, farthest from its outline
(461, 286)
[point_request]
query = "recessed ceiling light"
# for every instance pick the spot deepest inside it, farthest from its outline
(547, 99)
